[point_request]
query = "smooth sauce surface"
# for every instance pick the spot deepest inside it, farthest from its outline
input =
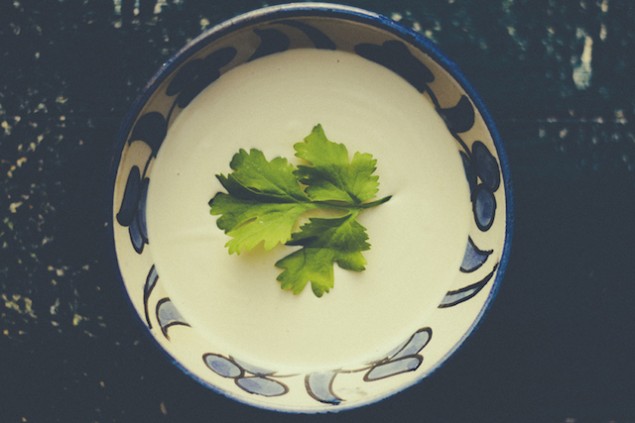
(418, 237)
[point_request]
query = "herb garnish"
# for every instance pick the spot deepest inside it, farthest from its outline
(265, 199)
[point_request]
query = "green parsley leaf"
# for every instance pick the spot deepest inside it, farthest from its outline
(265, 200)
(250, 222)
(324, 242)
(330, 176)
(274, 179)
(263, 203)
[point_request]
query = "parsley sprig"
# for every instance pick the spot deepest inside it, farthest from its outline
(266, 199)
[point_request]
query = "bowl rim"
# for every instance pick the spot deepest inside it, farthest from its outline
(326, 10)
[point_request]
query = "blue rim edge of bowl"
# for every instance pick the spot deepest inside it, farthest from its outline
(318, 10)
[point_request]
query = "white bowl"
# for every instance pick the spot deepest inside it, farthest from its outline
(439, 245)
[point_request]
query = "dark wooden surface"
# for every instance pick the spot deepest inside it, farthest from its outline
(558, 344)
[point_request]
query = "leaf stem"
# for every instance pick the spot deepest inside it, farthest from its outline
(376, 202)
(349, 207)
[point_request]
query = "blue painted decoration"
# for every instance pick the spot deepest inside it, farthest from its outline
(129, 203)
(141, 210)
(474, 257)
(262, 386)
(251, 379)
(151, 282)
(460, 117)
(405, 359)
(136, 237)
(394, 55)
(485, 166)
(318, 38)
(168, 316)
(222, 366)
(197, 74)
(253, 369)
(459, 296)
(484, 208)
(393, 367)
(132, 211)
(470, 174)
(415, 344)
(319, 386)
(271, 41)
(151, 128)
(482, 173)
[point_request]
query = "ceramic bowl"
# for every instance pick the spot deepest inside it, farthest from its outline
(438, 246)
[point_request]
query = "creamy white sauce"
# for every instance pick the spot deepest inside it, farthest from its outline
(418, 237)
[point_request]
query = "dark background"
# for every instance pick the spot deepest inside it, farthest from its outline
(557, 345)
